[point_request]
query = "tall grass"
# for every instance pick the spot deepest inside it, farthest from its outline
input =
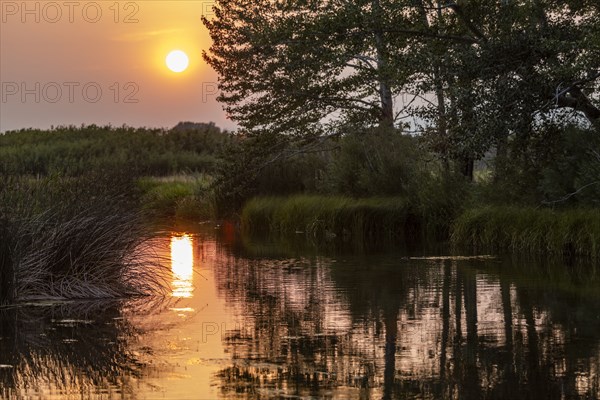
(329, 216)
(569, 232)
(74, 151)
(181, 196)
(58, 246)
(7, 277)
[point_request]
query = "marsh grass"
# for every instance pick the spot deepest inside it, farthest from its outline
(567, 233)
(73, 243)
(90, 255)
(329, 217)
(180, 196)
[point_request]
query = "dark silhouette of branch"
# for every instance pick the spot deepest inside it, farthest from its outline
(568, 196)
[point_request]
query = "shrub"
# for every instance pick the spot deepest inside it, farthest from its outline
(377, 162)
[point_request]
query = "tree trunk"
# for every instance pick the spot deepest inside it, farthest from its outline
(385, 90)
(466, 168)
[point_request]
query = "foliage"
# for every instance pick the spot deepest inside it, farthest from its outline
(269, 164)
(439, 200)
(185, 196)
(482, 76)
(572, 178)
(380, 162)
(559, 168)
(305, 62)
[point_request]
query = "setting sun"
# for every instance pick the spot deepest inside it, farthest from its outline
(177, 61)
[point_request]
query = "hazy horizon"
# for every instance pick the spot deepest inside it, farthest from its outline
(74, 63)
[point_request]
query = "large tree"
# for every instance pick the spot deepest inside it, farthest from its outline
(307, 66)
(484, 74)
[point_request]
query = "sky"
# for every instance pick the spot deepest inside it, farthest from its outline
(102, 62)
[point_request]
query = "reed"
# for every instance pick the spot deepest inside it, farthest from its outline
(329, 216)
(568, 232)
(59, 247)
(180, 196)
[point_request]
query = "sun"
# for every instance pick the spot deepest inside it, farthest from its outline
(177, 61)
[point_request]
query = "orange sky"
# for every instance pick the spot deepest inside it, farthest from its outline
(117, 47)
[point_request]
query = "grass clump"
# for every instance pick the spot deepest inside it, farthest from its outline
(329, 216)
(72, 244)
(181, 196)
(568, 232)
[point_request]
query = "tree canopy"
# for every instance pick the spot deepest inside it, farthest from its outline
(469, 75)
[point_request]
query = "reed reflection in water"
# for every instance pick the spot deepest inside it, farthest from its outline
(182, 266)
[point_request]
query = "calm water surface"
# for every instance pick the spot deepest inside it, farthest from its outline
(248, 321)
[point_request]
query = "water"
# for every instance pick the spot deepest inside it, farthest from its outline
(246, 320)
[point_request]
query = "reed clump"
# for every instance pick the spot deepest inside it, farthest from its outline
(573, 232)
(329, 216)
(56, 246)
(183, 196)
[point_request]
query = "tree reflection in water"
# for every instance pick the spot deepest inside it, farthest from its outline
(386, 327)
(339, 326)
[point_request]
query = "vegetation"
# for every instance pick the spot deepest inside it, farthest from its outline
(469, 77)
(71, 238)
(329, 217)
(365, 119)
(74, 151)
(182, 196)
(71, 225)
(568, 233)
(407, 96)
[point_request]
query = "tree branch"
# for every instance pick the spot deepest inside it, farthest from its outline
(573, 97)
(568, 196)
(458, 10)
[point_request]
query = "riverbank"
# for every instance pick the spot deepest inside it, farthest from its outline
(573, 232)
(330, 217)
(500, 229)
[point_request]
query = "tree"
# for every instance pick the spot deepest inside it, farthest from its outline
(519, 68)
(482, 75)
(307, 66)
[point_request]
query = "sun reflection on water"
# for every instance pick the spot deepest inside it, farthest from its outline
(182, 266)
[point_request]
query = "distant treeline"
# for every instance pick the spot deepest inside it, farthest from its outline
(70, 150)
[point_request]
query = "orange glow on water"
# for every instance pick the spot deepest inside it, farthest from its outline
(182, 266)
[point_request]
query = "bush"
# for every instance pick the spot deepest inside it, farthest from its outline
(269, 165)
(573, 178)
(377, 162)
